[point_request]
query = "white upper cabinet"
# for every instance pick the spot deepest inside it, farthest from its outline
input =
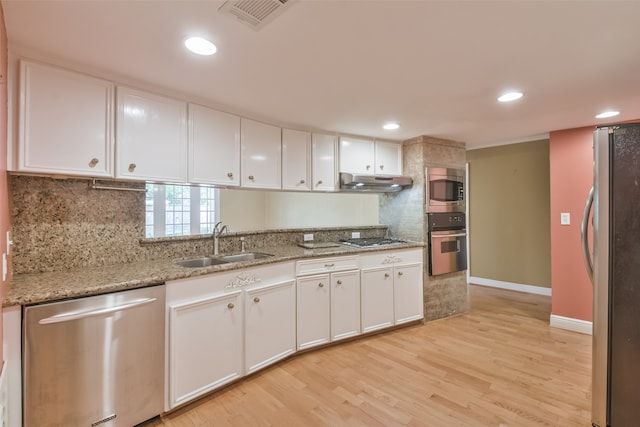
(151, 139)
(65, 122)
(296, 160)
(261, 155)
(214, 147)
(357, 155)
(388, 157)
(323, 155)
(366, 156)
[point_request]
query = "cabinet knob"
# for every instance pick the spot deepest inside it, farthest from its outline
(256, 300)
(302, 181)
(386, 275)
(368, 167)
(339, 282)
(251, 178)
(230, 175)
(321, 285)
(93, 162)
(320, 182)
(399, 273)
(381, 167)
(132, 167)
(230, 306)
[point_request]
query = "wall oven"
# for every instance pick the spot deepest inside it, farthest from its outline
(444, 189)
(447, 243)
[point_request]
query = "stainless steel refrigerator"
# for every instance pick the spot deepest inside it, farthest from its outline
(615, 272)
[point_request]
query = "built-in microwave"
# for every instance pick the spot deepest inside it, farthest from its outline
(444, 189)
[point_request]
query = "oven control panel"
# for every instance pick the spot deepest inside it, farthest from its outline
(447, 221)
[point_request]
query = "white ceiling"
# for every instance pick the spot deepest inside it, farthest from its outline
(348, 66)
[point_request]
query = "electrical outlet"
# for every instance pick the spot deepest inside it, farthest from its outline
(355, 235)
(565, 218)
(308, 237)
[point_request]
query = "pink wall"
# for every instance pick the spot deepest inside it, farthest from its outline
(571, 169)
(4, 189)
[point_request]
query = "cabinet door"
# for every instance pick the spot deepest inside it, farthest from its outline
(296, 156)
(151, 142)
(323, 154)
(270, 326)
(313, 311)
(376, 290)
(388, 158)
(356, 155)
(345, 305)
(205, 345)
(261, 155)
(65, 123)
(408, 293)
(214, 147)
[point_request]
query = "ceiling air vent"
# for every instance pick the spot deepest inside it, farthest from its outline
(255, 13)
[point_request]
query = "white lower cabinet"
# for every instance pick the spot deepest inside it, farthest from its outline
(205, 345)
(328, 304)
(345, 305)
(391, 288)
(270, 329)
(377, 298)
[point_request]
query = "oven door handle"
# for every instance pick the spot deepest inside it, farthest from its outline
(442, 236)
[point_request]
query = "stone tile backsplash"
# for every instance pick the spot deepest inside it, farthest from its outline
(61, 224)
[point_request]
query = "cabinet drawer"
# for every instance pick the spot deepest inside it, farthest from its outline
(326, 265)
(390, 258)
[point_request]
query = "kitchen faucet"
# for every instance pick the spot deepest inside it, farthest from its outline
(216, 234)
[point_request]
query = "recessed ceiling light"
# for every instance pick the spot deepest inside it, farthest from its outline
(200, 46)
(391, 126)
(510, 96)
(606, 114)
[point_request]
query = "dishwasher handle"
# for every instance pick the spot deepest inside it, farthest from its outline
(75, 315)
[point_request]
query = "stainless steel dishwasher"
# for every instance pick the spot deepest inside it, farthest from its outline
(95, 361)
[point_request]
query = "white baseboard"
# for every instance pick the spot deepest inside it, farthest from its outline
(570, 324)
(511, 286)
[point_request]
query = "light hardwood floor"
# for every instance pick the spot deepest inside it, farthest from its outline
(499, 364)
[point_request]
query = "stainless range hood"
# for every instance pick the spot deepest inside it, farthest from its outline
(373, 183)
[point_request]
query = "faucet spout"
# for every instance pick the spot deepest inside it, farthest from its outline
(217, 231)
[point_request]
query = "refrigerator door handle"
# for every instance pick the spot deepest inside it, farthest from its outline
(585, 236)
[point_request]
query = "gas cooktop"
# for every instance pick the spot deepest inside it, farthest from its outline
(371, 241)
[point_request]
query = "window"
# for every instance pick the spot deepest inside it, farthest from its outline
(180, 210)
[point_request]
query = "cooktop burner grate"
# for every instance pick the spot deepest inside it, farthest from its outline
(371, 241)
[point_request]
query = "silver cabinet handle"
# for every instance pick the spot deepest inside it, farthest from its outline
(320, 182)
(132, 167)
(302, 181)
(339, 282)
(381, 167)
(585, 237)
(230, 175)
(329, 265)
(368, 167)
(75, 315)
(230, 306)
(93, 162)
(321, 285)
(386, 275)
(399, 273)
(251, 178)
(256, 300)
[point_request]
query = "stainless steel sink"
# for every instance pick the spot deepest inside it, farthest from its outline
(201, 262)
(244, 256)
(221, 259)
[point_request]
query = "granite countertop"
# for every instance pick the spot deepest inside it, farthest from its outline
(37, 288)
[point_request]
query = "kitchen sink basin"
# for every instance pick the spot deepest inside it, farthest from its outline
(201, 262)
(221, 259)
(244, 256)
